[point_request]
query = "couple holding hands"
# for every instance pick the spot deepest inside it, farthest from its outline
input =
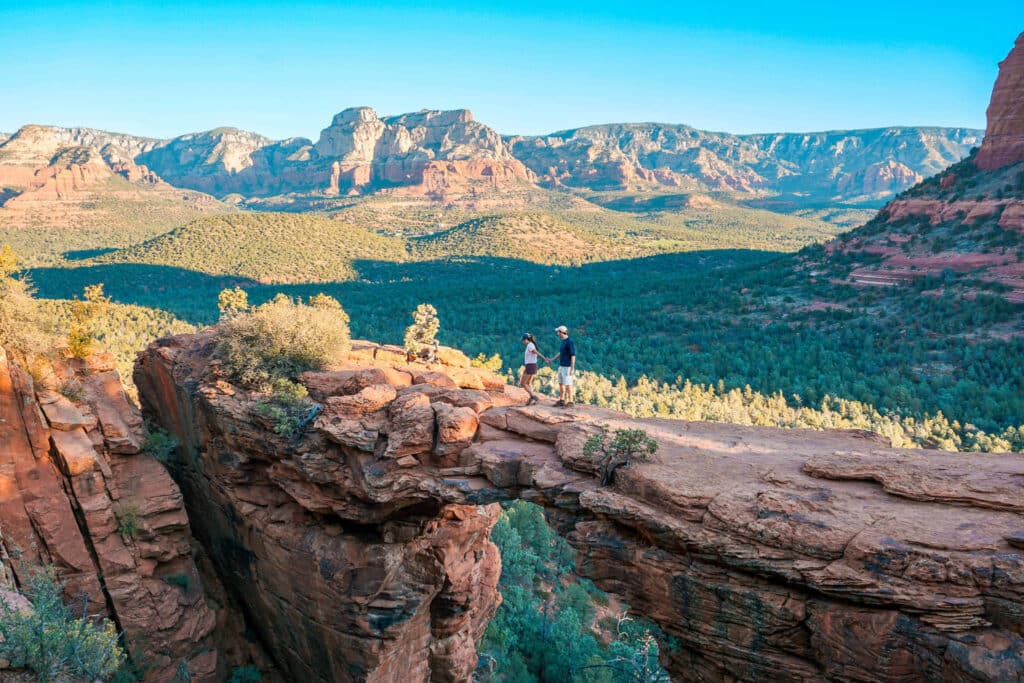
(566, 366)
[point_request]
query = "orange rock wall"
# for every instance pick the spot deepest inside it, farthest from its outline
(1004, 135)
(70, 472)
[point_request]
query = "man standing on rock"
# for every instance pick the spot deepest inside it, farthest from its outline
(566, 367)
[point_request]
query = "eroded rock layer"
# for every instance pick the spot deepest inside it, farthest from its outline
(361, 549)
(77, 493)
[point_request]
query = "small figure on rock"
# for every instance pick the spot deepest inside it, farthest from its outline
(530, 366)
(566, 367)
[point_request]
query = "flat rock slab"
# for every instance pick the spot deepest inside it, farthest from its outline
(980, 480)
(75, 450)
(63, 415)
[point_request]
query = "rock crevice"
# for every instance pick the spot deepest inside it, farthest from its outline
(78, 493)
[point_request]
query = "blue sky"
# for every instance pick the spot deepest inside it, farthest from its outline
(284, 69)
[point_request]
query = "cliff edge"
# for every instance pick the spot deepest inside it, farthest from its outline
(360, 549)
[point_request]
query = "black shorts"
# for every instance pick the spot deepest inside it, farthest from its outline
(531, 369)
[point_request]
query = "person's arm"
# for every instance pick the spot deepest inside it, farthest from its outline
(539, 354)
(572, 359)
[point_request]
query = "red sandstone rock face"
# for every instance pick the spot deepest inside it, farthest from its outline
(361, 548)
(69, 473)
(52, 183)
(348, 571)
(1004, 135)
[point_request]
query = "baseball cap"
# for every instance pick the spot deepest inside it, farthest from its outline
(562, 328)
(526, 335)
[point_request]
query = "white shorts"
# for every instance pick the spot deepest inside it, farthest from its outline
(565, 376)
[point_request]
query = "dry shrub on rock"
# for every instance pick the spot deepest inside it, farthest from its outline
(281, 339)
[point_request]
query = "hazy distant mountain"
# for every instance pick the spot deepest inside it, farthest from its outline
(836, 166)
(444, 153)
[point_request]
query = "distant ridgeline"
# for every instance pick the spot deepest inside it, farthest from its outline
(444, 154)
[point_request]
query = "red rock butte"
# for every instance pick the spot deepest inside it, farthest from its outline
(361, 550)
(1004, 135)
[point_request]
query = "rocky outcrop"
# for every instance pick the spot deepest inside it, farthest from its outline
(76, 492)
(880, 179)
(59, 182)
(432, 153)
(228, 161)
(79, 177)
(361, 552)
(34, 146)
(428, 152)
(1004, 134)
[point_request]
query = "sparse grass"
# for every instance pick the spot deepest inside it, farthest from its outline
(287, 407)
(128, 520)
(72, 390)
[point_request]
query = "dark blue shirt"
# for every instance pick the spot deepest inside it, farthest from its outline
(566, 353)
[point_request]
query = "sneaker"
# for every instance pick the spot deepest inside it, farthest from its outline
(570, 404)
(559, 403)
(533, 399)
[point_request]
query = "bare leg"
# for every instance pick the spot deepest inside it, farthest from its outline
(526, 382)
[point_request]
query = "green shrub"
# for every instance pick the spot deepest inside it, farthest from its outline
(21, 326)
(281, 339)
(159, 443)
(232, 302)
(246, 674)
(493, 363)
(287, 407)
(84, 314)
(51, 641)
(182, 581)
(626, 445)
(422, 334)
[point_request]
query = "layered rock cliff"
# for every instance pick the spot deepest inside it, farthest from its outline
(1004, 134)
(77, 492)
(360, 549)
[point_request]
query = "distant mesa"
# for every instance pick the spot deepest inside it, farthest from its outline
(445, 155)
(1004, 136)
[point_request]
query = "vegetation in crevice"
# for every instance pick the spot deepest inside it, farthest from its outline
(553, 626)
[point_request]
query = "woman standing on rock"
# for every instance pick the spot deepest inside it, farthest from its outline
(530, 369)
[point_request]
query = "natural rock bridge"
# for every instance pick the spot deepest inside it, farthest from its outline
(361, 551)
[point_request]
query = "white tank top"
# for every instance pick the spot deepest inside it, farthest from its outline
(531, 354)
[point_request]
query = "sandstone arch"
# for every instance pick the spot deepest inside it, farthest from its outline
(361, 551)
